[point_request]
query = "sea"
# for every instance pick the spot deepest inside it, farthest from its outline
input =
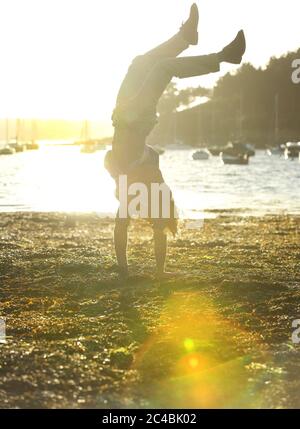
(59, 178)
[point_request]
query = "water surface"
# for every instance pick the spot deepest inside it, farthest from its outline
(63, 179)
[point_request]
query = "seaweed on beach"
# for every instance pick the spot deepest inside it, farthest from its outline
(217, 335)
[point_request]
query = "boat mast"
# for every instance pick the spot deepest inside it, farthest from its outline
(88, 137)
(241, 117)
(213, 122)
(85, 131)
(276, 129)
(33, 130)
(175, 127)
(7, 130)
(17, 130)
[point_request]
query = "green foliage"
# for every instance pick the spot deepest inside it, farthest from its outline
(242, 105)
(173, 98)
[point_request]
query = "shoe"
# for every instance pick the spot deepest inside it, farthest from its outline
(189, 30)
(233, 53)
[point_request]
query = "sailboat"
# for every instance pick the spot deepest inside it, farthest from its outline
(201, 155)
(175, 143)
(232, 158)
(278, 149)
(238, 152)
(16, 143)
(292, 150)
(33, 145)
(7, 150)
(87, 144)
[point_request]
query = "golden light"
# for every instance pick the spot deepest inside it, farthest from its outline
(195, 358)
(66, 58)
(189, 344)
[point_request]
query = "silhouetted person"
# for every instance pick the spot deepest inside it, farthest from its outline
(135, 116)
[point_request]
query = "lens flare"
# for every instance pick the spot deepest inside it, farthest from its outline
(193, 362)
(189, 344)
(196, 358)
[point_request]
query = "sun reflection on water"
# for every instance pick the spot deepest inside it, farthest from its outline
(63, 179)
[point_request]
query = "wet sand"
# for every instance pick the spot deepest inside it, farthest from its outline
(218, 335)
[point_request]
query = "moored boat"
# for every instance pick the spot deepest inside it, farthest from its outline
(88, 147)
(18, 147)
(292, 150)
(231, 158)
(32, 145)
(241, 148)
(7, 151)
(201, 155)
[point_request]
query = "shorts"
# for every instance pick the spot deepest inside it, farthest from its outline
(147, 172)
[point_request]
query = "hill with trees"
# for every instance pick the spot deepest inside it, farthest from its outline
(261, 106)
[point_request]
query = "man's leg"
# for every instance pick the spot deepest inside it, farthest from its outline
(184, 67)
(160, 250)
(163, 72)
(120, 241)
(143, 64)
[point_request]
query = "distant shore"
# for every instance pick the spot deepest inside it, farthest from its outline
(218, 335)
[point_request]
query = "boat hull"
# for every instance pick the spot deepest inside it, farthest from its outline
(241, 159)
(201, 155)
(7, 151)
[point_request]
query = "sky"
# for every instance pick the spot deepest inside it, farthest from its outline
(66, 58)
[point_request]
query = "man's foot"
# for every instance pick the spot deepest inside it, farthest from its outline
(233, 53)
(189, 30)
(123, 273)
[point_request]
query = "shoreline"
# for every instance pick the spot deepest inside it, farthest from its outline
(218, 335)
(243, 213)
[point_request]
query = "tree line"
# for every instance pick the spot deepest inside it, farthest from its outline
(259, 106)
